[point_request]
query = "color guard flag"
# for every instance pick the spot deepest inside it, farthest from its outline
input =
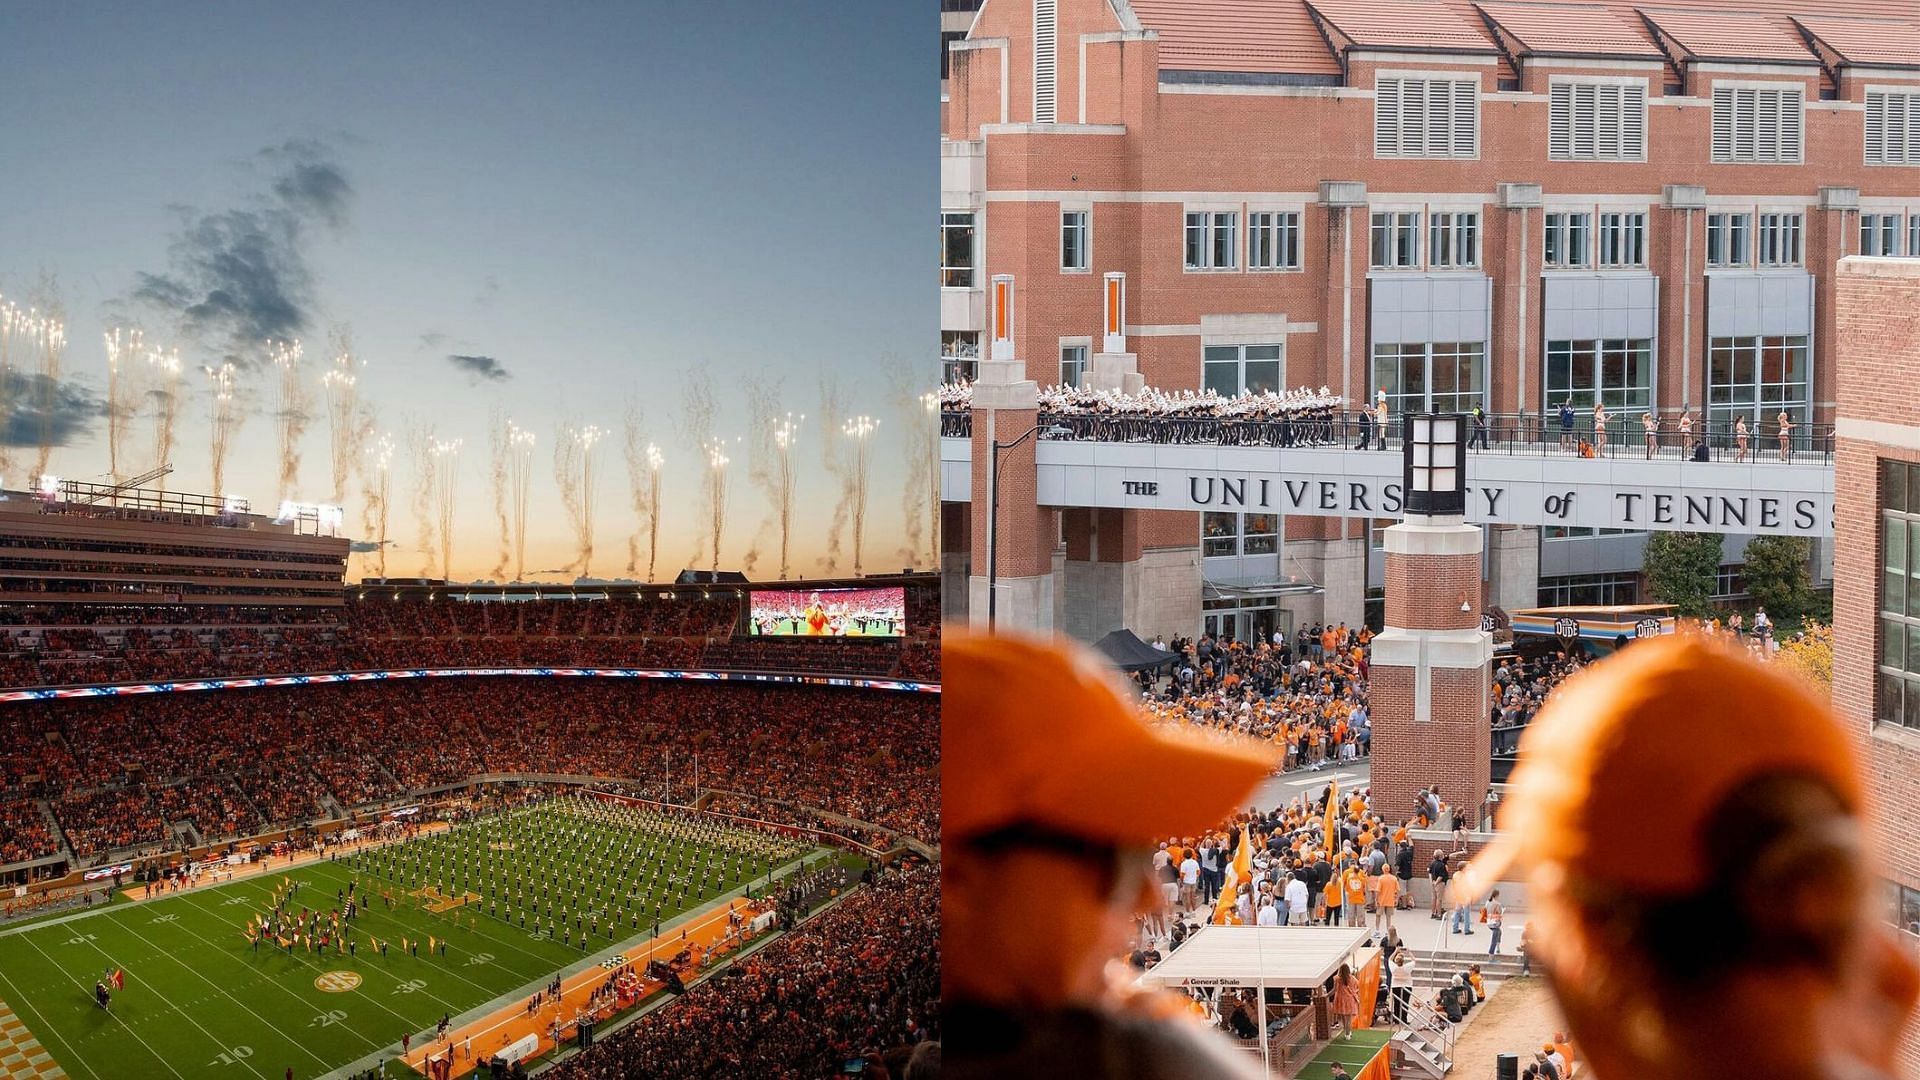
(119, 979)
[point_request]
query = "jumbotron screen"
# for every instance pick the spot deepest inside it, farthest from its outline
(828, 613)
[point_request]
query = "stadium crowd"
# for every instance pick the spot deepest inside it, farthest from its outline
(72, 645)
(118, 774)
(859, 983)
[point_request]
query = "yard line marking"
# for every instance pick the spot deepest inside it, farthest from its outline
(223, 993)
(53, 1032)
(83, 989)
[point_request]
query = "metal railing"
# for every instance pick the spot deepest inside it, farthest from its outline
(1503, 433)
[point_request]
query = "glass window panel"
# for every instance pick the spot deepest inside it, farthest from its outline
(1913, 488)
(1263, 376)
(1223, 379)
(1910, 699)
(1893, 484)
(1892, 644)
(1896, 544)
(1889, 705)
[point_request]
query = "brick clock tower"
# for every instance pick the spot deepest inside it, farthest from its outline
(1429, 671)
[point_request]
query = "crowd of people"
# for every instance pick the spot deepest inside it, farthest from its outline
(855, 990)
(72, 645)
(119, 772)
(1300, 417)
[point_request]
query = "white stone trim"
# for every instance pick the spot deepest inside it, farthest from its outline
(1411, 538)
(1880, 432)
(1452, 650)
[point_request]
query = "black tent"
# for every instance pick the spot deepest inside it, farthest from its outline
(1129, 653)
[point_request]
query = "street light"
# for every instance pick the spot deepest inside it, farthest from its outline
(993, 513)
(1434, 480)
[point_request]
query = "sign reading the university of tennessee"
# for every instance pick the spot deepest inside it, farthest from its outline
(1608, 493)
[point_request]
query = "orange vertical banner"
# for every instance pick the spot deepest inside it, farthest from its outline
(1369, 991)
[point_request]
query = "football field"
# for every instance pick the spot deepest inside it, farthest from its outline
(202, 998)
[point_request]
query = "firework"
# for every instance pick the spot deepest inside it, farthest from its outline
(717, 462)
(446, 458)
(695, 426)
(654, 460)
(13, 326)
(379, 498)
(49, 341)
(345, 426)
(786, 434)
(290, 415)
(124, 348)
(930, 419)
(163, 380)
(512, 452)
(224, 420)
(642, 489)
(859, 429)
(573, 468)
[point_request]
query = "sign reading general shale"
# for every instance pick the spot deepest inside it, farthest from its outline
(1625, 493)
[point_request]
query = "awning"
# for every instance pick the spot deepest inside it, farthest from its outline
(1127, 652)
(1300, 957)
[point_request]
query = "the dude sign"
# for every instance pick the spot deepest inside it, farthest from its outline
(1717, 497)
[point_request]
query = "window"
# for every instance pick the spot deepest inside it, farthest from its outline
(1757, 124)
(1073, 364)
(1453, 239)
(1899, 698)
(1431, 377)
(1623, 239)
(1589, 590)
(1211, 240)
(1620, 372)
(1433, 118)
(1073, 239)
(1597, 121)
(1913, 235)
(1239, 534)
(1879, 234)
(1569, 238)
(1756, 377)
(1396, 240)
(1579, 532)
(1893, 127)
(1903, 908)
(1729, 239)
(1273, 240)
(1730, 582)
(1779, 240)
(956, 249)
(959, 355)
(1230, 369)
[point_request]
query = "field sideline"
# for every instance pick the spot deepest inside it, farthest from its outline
(200, 1001)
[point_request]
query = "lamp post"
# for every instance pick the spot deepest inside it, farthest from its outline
(993, 513)
(1434, 446)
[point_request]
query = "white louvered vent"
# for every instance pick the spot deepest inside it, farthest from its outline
(1430, 118)
(1893, 128)
(1045, 36)
(1597, 121)
(1757, 124)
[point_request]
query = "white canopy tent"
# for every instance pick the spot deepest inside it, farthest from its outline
(1260, 958)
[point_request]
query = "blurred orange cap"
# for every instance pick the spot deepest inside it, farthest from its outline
(1037, 733)
(1627, 760)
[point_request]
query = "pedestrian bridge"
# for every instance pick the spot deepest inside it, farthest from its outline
(1517, 482)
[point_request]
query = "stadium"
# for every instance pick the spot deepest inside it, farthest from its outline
(254, 818)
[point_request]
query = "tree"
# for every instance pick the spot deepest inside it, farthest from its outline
(1810, 653)
(1680, 569)
(1777, 578)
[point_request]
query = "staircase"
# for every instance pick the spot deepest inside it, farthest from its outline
(1425, 1046)
(1435, 969)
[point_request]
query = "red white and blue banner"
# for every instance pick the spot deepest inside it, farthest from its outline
(99, 872)
(57, 693)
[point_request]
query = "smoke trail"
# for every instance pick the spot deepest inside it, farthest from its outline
(860, 431)
(346, 426)
(763, 470)
(13, 325)
(163, 371)
(125, 347)
(641, 487)
(446, 472)
(920, 496)
(834, 454)
(50, 339)
(717, 462)
(420, 444)
(499, 429)
(224, 421)
(697, 411)
(573, 469)
(378, 482)
(290, 413)
(520, 474)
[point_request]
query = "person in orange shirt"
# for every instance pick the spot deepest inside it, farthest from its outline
(1386, 893)
(1356, 883)
(1332, 894)
(1708, 918)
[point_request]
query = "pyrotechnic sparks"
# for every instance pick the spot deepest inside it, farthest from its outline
(345, 425)
(573, 468)
(859, 429)
(654, 460)
(124, 348)
(717, 462)
(697, 410)
(929, 475)
(379, 497)
(48, 339)
(446, 470)
(163, 380)
(642, 488)
(224, 420)
(835, 456)
(786, 434)
(13, 326)
(290, 413)
(512, 447)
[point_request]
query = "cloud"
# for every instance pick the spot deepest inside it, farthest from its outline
(240, 276)
(362, 547)
(432, 339)
(71, 407)
(480, 367)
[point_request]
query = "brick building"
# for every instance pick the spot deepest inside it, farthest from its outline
(1498, 203)
(1876, 595)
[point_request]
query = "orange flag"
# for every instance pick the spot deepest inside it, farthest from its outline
(1333, 801)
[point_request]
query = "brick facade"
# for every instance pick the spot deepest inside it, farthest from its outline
(1878, 325)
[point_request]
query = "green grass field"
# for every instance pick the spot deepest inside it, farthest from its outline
(201, 1001)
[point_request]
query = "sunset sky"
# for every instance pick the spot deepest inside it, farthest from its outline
(548, 214)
